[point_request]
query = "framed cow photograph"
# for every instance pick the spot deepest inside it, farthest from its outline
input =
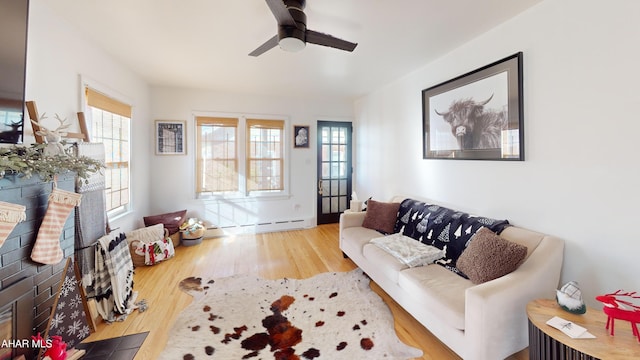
(476, 116)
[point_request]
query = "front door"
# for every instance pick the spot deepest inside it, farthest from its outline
(334, 170)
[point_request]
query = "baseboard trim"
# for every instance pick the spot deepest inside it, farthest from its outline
(263, 227)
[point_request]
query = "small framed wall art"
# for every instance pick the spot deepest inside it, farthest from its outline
(300, 136)
(476, 116)
(171, 138)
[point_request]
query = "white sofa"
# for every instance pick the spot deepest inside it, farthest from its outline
(486, 321)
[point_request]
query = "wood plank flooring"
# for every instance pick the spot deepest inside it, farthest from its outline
(294, 254)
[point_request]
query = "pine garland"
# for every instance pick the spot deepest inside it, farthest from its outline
(27, 161)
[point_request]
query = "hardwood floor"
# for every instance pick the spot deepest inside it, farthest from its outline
(294, 254)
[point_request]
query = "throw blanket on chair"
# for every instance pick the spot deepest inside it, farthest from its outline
(113, 282)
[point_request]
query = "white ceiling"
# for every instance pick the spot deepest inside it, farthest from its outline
(204, 44)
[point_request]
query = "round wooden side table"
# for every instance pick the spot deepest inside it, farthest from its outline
(546, 342)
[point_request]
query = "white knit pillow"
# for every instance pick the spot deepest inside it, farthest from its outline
(147, 234)
(407, 250)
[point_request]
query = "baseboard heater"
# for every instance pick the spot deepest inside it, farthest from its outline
(261, 227)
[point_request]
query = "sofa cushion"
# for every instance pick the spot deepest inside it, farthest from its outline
(353, 239)
(408, 251)
(489, 257)
(381, 216)
(171, 221)
(438, 290)
(384, 262)
(442, 227)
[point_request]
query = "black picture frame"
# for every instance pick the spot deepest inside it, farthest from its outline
(171, 138)
(476, 116)
(300, 137)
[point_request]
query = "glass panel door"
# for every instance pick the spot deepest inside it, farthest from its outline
(334, 170)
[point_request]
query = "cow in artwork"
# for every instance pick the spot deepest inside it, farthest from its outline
(473, 126)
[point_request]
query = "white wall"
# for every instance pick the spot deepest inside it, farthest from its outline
(57, 57)
(581, 174)
(579, 180)
(173, 181)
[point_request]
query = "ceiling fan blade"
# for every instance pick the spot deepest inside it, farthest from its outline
(319, 38)
(280, 11)
(268, 45)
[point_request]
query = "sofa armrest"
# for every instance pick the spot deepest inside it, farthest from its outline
(495, 311)
(351, 219)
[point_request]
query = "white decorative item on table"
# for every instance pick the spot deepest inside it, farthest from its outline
(569, 298)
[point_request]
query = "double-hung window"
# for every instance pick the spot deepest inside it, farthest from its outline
(217, 154)
(265, 158)
(110, 122)
(239, 155)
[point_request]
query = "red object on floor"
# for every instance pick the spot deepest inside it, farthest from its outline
(58, 349)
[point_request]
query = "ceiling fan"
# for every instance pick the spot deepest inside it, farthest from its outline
(292, 30)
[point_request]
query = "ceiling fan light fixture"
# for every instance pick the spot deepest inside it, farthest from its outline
(290, 38)
(291, 44)
(293, 34)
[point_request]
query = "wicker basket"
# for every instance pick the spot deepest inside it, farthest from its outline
(193, 238)
(138, 260)
(198, 233)
(175, 238)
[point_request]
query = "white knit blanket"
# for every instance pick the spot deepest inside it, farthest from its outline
(409, 251)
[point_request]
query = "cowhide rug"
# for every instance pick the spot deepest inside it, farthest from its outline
(329, 316)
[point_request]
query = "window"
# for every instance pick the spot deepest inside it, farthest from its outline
(238, 155)
(264, 155)
(110, 124)
(217, 156)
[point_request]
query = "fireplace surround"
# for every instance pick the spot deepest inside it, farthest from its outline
(16, 309)
(28, 289)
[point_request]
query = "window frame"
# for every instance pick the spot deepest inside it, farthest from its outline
(242, 144)
(261, 124)
(224, 122)
(97, 87)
